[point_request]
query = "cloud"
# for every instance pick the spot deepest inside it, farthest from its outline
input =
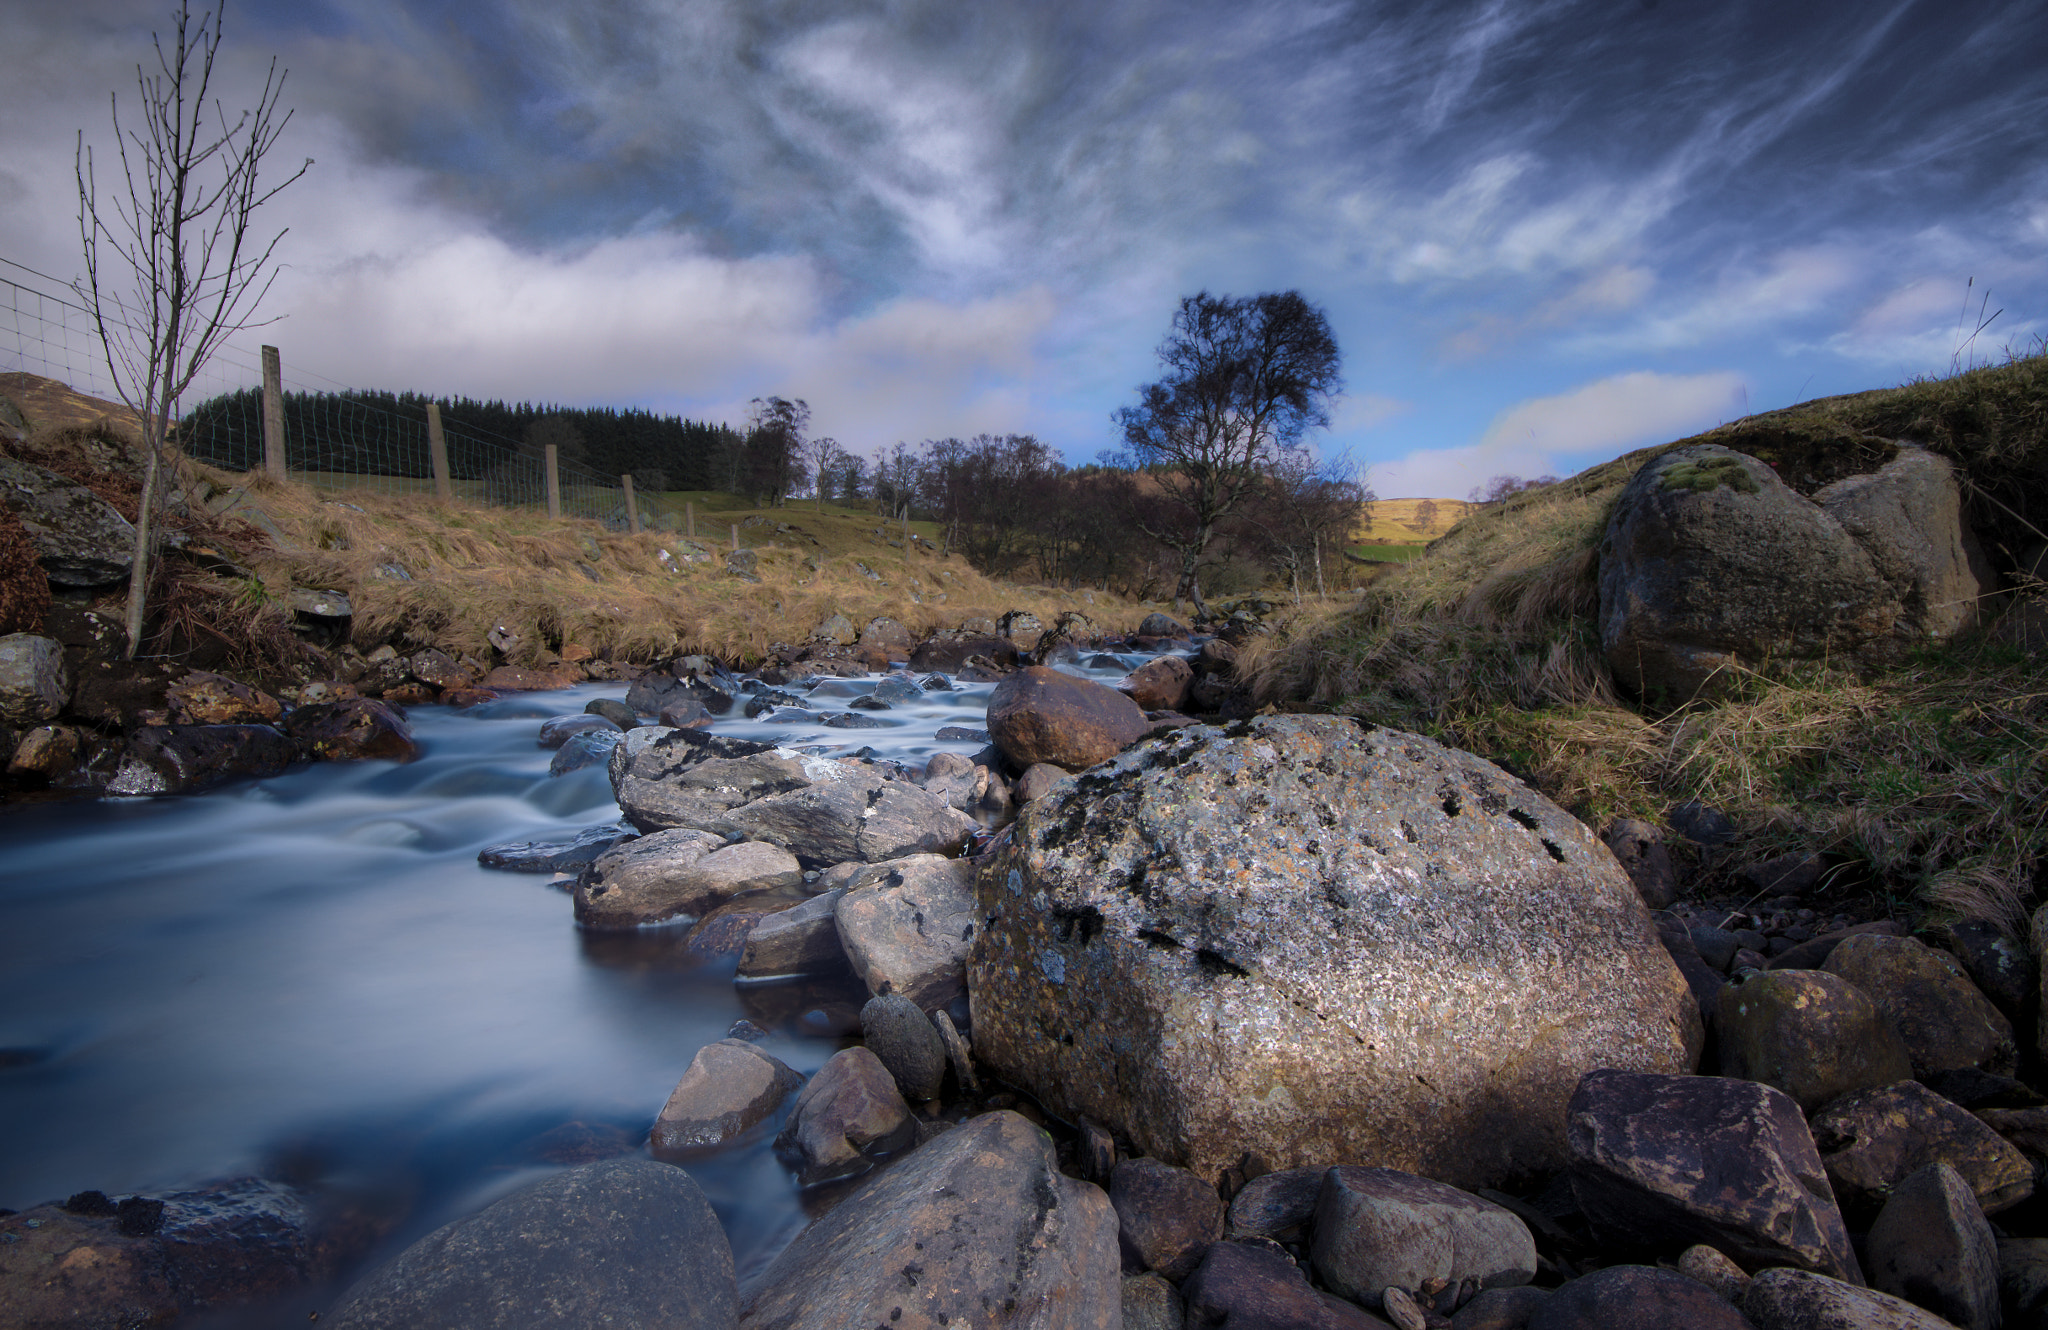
(1607, 291)
(1561, 434)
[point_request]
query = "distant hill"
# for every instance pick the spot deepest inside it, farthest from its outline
(1401, 521)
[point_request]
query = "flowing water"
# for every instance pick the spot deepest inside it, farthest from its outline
(310, 978)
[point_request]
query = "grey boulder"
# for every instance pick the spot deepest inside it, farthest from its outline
(79, 538)
(1932, 1246)
(1377, 1228)
(855, 815)
(1785, 1299)
(801, 940)
(907, 926)
(903, 1037)
(676, 875)
(34, 685)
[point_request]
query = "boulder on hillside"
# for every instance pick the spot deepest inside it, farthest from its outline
(1312, 940)
(624, 1242)
(80, 539)
(977, 1228)
(1694, 567)
(1041, 715)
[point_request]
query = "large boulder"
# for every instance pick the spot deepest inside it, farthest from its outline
(1711, 561)
(853, 815)
(1946, 1021)
(625, 1242)
(80, 539)
(1160, 684)
(676, 875)
(907, 926)
(34, 685)
(179, 759)
(977, 1228)
(1310, 939)
(666, 782)
(1812, 1034)
(1041, 715)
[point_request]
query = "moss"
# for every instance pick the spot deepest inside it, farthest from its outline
(1709, 474)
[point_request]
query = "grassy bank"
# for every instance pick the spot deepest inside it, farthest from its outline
(1927, 783)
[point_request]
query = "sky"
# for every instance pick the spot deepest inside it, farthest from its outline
(1544, 232)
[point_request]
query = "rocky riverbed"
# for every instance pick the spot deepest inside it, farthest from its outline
(1098, 1013)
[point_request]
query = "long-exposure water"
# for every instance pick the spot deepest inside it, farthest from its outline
(311, 978)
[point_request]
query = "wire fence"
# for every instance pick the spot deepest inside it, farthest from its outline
(332, 440)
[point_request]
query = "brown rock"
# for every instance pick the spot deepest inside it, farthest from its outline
(352, 730)
(441, 670)
(1946, 1022)
(1639, 847)
(1160, 684)
(1278, 1206)
(1811, 1033)
(1377, 1228)
(907, 926)
(1041, 715)
(677, 874)
(1635, 1297)
(1242, 1284)
(730, 1086)
(1151, 1303)
(48, 751)
(1038, 778)
(518, 679)
(1932, 1246)
(803, 939)
(1166, 1216)
(211, 699)
(1872, 1140)
(1708, 1266)
(1662, 1162)
(849, 1114)
(1801, 1300)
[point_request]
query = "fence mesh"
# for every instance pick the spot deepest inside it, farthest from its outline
(332, 440)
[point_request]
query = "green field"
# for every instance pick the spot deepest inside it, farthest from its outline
(1384, 553)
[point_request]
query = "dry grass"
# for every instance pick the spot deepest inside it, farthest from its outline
(1929, 781)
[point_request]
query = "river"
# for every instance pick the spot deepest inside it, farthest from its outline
(310, 978)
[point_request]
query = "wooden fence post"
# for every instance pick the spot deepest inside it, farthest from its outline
(437, 448)
(554, 482)
(632, 508)
(273, 414)
(690, 520)
(735, 537)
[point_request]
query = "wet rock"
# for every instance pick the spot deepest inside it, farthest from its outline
(977, 1228)
(1662, 1162)
(441, 670)
(34, 684)
(354, 729)
(1160, 684)
(554, 733)
(1166, 1216)
(1946, 1022)
(773, 700)
(1312, 940)
(1811, 1033)
(1713, 1269)
(151, 1260)
(953, 652)
(615, 711)
(860, 816)
(1149, 1302)
(1639, 847)
(849, 1114)
(666, 784)
(1782, 1299)
(2000, 965)
(624, 1242)
(685, 713)
(200, 698)
(1277, 1206)
(1932, 1246)
(1246, 1286)
(677, 875)
(730, 1087)
(1156, 624)
(1500, 1309)
(1872, 1140)
(571, 855)
(801, 940)
(49, 751)
(907, 926)
(1635, 1297)
(901, 1036)
(179, 759)
(1041, 715)
(79, 538)
(1377, 1228)
(588, 749)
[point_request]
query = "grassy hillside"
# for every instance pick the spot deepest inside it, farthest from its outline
(1929, 780)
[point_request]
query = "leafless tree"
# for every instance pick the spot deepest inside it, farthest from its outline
(820, 457)
(180, 233)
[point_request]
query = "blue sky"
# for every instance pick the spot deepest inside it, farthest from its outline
(1543, 232)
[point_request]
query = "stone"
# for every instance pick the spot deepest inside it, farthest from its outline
(888, 636)
(1166, 1216)
(1639, 848)
(1713, 1269)
(1635, 1297)
(677, 875)
(1038, 778)
(860, 815)
(1277, 1206)
(729, 1088)
(1248, 1286)
(1872, 1140)
(1149, 1302)
(1926, 994)
(1705, 982)
(848, 1114)
(1156, 624)
(1814, 952)
(1160, 684)
(615, 711)
(441, 670)
(955, 652)
(48, 751)
(1659, 1163)
(1041, 715)
(34, 684)
(1782, 1299)
(1310, 939)
(520, 679)
(836, 629)
(588, 749)
(200, 698)
(1377, 1228)
(959, 1054)
(80, 539)
(908, 924)
(1999, 964)
(157, 1260)
(802, 940)
(354, 729)
(664, 785)
(1932, 1246)
(623, 1242)
(1786, 874)
(978, 1229)
(1907, 516)
(180, 759)
(1500, 1309)
(1717, 946)
(2023, 1280)
(319, 603)
(572, 855)
(1811, 1033)
(554, 733)
(685, 713)
(1020, 626)
(901, 1036)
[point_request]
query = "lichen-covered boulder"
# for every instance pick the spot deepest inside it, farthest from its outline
(1313, 940)
(80, 539)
